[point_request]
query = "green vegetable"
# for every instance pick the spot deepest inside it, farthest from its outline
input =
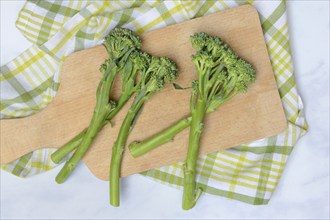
(121, 45)
(139, 148)
(221, 75)
(150, 81)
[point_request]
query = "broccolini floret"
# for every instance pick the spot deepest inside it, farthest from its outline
(120, 41)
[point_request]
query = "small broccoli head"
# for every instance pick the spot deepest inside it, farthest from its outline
(140, 60)
(154, 64)
(219, 51)
(215, 46)
(103, 67)
(155, 84)
(199, 40)
(222, 76)
(244, 74)
(106, 65)
(119, 41)
(164, 68)
(229, 58)
(168, 69)
(202, 60)
(161, 70)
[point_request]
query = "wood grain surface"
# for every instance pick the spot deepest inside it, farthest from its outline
(248, 117)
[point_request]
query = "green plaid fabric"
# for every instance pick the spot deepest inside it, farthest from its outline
(248, 173)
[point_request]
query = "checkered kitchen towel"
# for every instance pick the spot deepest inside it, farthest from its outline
(248, 173)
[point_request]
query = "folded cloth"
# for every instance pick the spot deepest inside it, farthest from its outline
(248, 173)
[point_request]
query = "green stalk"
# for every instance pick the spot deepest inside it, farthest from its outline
(62, 152)
(117, 153)
(196, 129)
(102, 110)
(140, 148)
(82, 149)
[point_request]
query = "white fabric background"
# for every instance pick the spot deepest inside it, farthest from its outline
(303, 191)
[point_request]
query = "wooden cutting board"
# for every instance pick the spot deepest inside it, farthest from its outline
(248, 117)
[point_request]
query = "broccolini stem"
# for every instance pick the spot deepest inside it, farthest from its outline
(62, 152)
(196, 129)
(101, 111)
(140, 148)
(82, 149)
(117, 154)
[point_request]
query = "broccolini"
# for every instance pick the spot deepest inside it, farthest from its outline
(151, 80)
(121, 45)
(221, 75)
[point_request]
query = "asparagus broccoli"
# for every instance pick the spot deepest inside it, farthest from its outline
(121, 45)
(151, 80)
(221, 75)
(138, 148)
